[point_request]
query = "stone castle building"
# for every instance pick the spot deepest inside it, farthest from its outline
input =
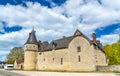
(74, 53)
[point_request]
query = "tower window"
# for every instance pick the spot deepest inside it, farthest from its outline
(53, 59)
(96, 61)
(40, 53)
(78, 49)
(61, 61)
(79, 58)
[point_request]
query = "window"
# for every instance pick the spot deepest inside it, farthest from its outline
(53, 59)
(94, 47)
(96, 61)
(54, 45)
(79, 58)
(44, 59)
(78, 49)
(40, 53)
(29, 46)
(61, 61)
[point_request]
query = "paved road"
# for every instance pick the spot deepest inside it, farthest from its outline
(9, 73)
(38, 73)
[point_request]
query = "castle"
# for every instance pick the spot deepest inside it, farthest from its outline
(74, 53)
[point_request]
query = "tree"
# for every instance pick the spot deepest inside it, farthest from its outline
(16, 53)
(113, 52)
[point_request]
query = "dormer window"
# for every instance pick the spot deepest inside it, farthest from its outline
(54, 45)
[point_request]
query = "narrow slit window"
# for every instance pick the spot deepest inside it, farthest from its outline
(79, 58)
(44, 59)
(61, 60)
(78, 49)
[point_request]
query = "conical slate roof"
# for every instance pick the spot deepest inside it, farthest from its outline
(32, 38)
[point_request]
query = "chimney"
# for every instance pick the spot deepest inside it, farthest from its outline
(94, 38)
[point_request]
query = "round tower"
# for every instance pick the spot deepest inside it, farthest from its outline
(30, 52)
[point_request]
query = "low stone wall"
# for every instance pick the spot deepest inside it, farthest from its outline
(109, 68)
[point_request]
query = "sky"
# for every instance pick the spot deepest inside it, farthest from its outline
(53, 19)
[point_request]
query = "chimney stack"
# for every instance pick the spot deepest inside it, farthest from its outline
(94, 38)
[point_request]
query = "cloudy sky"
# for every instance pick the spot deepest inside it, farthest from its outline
(53, 19)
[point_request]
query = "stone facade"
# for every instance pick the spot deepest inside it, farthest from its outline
(75, 53)
(18, 64)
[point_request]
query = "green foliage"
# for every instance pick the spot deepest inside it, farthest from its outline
(113, 52)
(15, 53)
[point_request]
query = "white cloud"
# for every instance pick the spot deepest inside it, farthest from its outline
(2, 58)
(112, 4)
(50, 23)
(4, 52)
(109, 39)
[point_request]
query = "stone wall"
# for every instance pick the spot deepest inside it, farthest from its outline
(68, 59)
(100, 57)
(86, 55)
(109, 68)
(30, 56)
(53, 60)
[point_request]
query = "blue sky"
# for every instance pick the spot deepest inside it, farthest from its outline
(54, 18)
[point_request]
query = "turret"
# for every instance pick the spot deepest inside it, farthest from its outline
(30, 51)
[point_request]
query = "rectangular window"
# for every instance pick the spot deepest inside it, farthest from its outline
(44, 59)
(61, 61)
(95, 47)
(78, 49)
(79, 58)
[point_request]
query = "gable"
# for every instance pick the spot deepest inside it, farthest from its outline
(79, 33)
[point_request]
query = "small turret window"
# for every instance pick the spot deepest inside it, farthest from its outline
(53, 59)
(29, 46)
(34, 46)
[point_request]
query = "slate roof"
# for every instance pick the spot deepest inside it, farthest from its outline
(100, 46)
(59, 44)
(32, 38)
(64, 42)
